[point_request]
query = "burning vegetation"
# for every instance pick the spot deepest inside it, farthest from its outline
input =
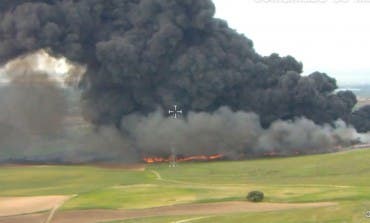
(155, 159)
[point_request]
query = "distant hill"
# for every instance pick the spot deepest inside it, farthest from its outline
(361, 91)
(358, 90)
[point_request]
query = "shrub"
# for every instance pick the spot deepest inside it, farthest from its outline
(255, 196)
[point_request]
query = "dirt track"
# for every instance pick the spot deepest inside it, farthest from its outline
(24, 205)
(15, 209)
(92, 216)
(30, 218)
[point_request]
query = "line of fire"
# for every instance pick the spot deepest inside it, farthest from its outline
(180, 158)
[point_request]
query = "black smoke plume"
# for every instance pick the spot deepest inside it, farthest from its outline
(149, 53)
(360, 119)
(144, 55)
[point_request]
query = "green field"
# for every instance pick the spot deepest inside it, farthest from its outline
(341, 177)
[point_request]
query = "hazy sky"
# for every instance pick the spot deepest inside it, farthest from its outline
(325, 35)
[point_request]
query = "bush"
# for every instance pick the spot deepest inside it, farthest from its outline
(255, 196)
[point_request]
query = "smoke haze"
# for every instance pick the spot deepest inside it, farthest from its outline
(139, 57)
(233, 134)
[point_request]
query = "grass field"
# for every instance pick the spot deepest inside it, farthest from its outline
(341, 177)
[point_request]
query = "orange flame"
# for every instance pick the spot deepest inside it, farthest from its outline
(157, 159)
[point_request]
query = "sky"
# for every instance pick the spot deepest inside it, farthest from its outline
(330, 36)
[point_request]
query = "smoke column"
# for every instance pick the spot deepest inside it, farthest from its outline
(149, 53)
(32, 106)
(143, 56)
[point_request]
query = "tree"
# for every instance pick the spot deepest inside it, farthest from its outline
(255, 196)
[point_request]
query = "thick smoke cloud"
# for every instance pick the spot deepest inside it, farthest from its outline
(223, 132)
(141, 54)
(234, 134)
(360, 119)
(302, 136)
(34, 120)
(32, 106)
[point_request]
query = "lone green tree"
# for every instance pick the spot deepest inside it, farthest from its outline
(255, 196)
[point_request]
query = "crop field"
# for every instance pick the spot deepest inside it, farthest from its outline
(326, 188)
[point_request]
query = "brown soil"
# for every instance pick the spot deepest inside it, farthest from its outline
(93, 216)
(15, 209)
(24, 205)
(30, 218)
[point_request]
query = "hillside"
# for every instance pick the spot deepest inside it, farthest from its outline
(338, 183)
